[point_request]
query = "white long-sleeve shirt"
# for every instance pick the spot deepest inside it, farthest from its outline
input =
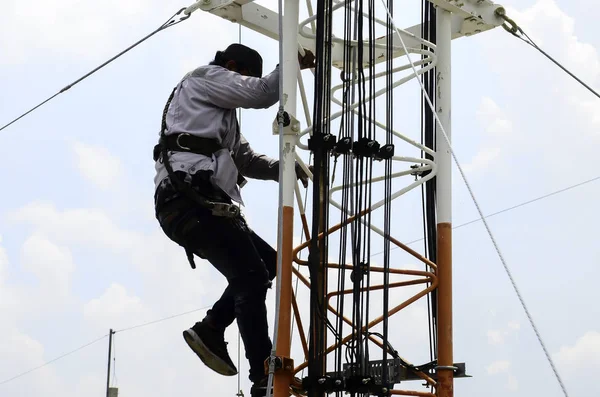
(204, 105)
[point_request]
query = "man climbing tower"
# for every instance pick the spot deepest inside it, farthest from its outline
(201, 162)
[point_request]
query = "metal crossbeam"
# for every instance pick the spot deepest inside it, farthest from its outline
(469, 17)
(408, 374)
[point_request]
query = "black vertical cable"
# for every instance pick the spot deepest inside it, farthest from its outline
(314, 251)
(369, 169)
(429, 188)
(318, 250)
(387, 190)
(356, 232)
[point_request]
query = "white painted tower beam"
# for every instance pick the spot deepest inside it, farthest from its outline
(469, 17)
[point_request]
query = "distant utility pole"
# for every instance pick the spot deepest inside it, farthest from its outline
(110, 336)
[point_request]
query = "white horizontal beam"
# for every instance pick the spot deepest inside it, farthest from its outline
(469, 17)
(265, 21)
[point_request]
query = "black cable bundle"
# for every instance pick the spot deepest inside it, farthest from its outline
(388, 188)
(429, 189)
(359, 149)
(318, 249)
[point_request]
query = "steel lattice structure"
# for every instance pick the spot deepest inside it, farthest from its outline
(425, 59)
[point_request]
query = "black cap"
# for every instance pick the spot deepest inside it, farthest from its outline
(245, 58)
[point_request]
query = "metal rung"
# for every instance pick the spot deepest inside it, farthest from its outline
(398, 372)
(430, 370)
(376, 370)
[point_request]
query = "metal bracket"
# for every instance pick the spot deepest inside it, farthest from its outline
(397, 372)
(291, 125)
(211, 5)
(471, 16)
(410, 373)
(279, 364)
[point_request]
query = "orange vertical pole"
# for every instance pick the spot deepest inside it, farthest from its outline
(445, 344)
(283, 376)
(288, 136)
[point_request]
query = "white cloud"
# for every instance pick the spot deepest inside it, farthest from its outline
(554, 31)
(116, 306)
(587, 108)
(75, 226)
(498, 367)
(65, 27)
(162, 263)
(20, 352)
(504, 367)
(498, 336)
(482, 160)
(550, 27)
(494, 119)
(497, 133)
(513, 384)
(8, 299)
(584, 355)
(3, 262)
(98, 165)
(552, 116)
(51, 264)
(514, 325)
(578, 363)
(495, 337)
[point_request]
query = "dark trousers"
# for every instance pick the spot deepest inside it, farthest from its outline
(247, 262)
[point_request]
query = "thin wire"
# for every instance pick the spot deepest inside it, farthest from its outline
(170, 22)
(99, 339)
(510, 208)
(534, 45)
(53, 360)
(300, 253)
(239, 387)
(239, 371)
(161, 319)
(489, 231)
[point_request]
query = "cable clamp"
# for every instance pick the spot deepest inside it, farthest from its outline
(386, 152)
(365, 147)
(450, 367)
(186, 15)
(275, 364)
(509, 25)
(224, 210)
(343, 146)
(291, 126)
(326, 142)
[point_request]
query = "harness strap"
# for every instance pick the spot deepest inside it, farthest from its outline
(187, 143)
(218, 209)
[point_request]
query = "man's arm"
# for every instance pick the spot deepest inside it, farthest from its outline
(231, 90)
(253, 165)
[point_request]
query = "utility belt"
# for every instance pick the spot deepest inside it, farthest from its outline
(185, 142)
(197, 188)
(218, 202)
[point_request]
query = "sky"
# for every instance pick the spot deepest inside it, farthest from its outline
(81, 252)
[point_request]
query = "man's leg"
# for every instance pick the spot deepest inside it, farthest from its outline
(227, 245)
(267, 253)
(222, 314)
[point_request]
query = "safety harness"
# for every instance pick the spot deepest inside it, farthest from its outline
(193, 144)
